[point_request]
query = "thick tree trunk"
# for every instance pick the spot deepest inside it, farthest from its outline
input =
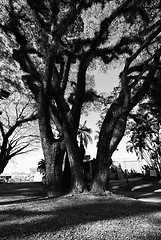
(3, 163)
(53, 161)
(111, 134)
(76, 167)
(101, 167)
(76, 164)
(4, 151)
(53, 153)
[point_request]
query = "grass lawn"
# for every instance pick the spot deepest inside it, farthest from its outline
(27, 216)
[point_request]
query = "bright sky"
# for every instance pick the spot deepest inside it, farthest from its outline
(104, 83)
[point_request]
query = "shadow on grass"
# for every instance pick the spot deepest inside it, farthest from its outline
(26, 223)
(26, 217)
(21, 188)
(140, 185)
(138, 189)
(19, 192)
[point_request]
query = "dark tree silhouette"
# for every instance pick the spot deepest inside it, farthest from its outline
(17, 131)
(49, 39)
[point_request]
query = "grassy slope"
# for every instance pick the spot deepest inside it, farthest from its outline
(24, 215)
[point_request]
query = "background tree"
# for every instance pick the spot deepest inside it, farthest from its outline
(17, 128)
(84, 134)
(143, 128)
(41, 166)
(42, 169)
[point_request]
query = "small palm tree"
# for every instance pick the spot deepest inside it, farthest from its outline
(84, 135)
(96, 137)
(144, 136)
(42, 170)
(41, 166)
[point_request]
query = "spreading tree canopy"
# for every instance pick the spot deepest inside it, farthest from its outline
(48, 39)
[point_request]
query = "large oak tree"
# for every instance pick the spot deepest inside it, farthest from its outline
(50, 38)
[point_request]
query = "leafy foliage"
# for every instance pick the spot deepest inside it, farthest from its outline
(41, 166)
(144, 131)
(49, 38)
(84, 134)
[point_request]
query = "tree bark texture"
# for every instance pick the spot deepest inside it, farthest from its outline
(53, 163)
(75, 160)
(111, 133)
(53, 153)
(3, 163)
(102, 163)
